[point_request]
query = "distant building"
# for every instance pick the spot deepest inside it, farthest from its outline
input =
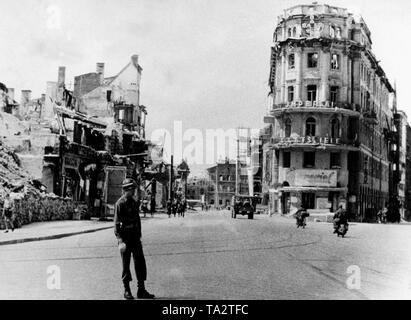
(408, 174)
(7, 102)
(222, 177)
(400, 160)
(197, 188)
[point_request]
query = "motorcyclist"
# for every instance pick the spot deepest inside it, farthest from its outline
(340, 218)
(300, 216)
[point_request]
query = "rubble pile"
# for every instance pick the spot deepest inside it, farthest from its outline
(11, 174)
(31, 202)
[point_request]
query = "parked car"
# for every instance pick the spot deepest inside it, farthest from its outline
(243, 205)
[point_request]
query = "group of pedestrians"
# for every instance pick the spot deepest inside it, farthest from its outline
(178, 206)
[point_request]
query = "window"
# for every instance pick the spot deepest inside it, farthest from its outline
(286, 159)
(332, 32)
(291, 61)
(108, 95)
(335, 128)
(220, 202)
(289, 32)
(290, 93)
(312, 60)
(309, 160)
(335, 61)
(288, 127)
(338, 33)
(312, 93)
(295, 32)
(335, 160)
(121, 115)
(308, 200)
(334, 94)
(310, 127)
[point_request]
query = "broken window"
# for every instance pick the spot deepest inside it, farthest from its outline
(334, 94)
(290, 93)
(338, 33)
(288, 127)
(310, 127)
(311, 93)
(309, 160)
(312, 60)
(286, 159)
(335, 128)
(121, 115)
(291, 61)
(335, 158)
(335, 61)
(332, 32)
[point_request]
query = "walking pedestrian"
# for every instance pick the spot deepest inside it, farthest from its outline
(152, 206)
(128, 232)
(379, 216)
(169, 205)
(8, 213)
(384, 215)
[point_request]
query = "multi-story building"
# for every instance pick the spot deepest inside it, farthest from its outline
(197, 188)
(222, 177)
(108, 130)
(408, 174)
(401, 158)
(330, 115)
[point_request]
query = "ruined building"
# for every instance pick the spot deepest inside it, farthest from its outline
(102, 136)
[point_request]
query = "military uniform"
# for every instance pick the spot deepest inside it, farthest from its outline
(127, 228)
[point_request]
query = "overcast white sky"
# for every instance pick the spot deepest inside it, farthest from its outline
(205, 62)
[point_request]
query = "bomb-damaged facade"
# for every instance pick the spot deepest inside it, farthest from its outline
(332, 124)
(102, 137)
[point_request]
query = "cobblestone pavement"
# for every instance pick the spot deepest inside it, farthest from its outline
(212, 256)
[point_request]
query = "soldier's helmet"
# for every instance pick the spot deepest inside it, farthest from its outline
(129, 184)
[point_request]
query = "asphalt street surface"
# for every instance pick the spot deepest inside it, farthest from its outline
(209, 255)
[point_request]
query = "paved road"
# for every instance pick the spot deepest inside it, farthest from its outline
(211, 256)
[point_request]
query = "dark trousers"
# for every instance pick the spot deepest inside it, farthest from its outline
(135, 248)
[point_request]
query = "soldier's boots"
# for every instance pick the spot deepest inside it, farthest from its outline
(143, 294)
(127, 292)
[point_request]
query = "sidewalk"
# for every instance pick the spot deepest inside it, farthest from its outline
(60, 229)
(52, 230)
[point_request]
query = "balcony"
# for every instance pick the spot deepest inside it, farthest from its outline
(308, 106)
(370, 117)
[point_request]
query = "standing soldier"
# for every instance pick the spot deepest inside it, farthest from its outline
(128, 232)
(8, 213)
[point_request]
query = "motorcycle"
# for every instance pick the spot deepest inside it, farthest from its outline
(301, 223)
(342, 230)
(301, 220)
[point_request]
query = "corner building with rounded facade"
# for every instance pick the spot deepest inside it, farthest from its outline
(329, 121)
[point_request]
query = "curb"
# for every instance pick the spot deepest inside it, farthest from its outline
(51, 237)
